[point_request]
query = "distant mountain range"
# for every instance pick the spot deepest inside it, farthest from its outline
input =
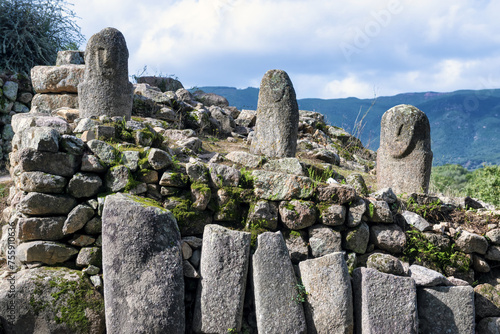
(465, 124)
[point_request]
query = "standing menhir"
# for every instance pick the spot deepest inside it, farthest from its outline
(277, 122)
(105, 89)
(404, 159)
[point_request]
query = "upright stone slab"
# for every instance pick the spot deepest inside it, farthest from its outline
(105, 89)
(221, 290)
(404, 158)
(142, 267)
(446, 309)
(384, 303)
(277, 122)
(328, 307)
(275, 287)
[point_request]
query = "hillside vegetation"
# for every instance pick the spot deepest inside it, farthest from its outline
(455, 180)
(465, 125)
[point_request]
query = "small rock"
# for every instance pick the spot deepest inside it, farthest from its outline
(297, 215)
(324, 240)
(385, 263)
(426, 277)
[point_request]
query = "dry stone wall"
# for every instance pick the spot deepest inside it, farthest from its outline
(174, 237)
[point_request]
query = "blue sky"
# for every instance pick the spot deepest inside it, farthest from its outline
(329, 48)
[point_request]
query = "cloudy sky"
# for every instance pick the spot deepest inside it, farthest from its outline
(329, 48)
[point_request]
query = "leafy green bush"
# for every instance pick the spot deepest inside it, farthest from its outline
(33, 31)
(449, 180)
(484, 183)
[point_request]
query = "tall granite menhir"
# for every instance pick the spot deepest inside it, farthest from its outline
(276, 127)
(404, 159)
(142, 267)
(105, 89)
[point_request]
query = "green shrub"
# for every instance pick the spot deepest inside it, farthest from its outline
(484, 183)
(33, 31)
(449, 180)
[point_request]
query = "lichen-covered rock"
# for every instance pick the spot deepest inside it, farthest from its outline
(48, 252)
(67, 57)
(244, 158)
(329, 305)
(226, 206)
(355, 212)
(10, 90)
(275, 287)
(416, 221)
(224, 176)
(487, 300)
(201, 195)
(44, 139)
(89, 256)
(117, 178)
(494, 236)
(263, 213)
(472, 243)
(105, 89)
(446, 309)
(40, 204)
(384, 303)
(426, 277)
(77, 218)
(278, 187)
(297, 215)
(40, 228)
(149, 235)
(390, 237)
(225, 258)
(46, 103)
(104, 151)
(51, 300)
(358, 182)
(84, 185)
(246, 118)
(385, 263)
(489, 326)
(285, 165)
(324, 240)
(335, 193)
(405, 149)
(379, 212)
(42, 182)
(356, 239)
(296, 243)
(57, 79)
(159, 159)
(174, 179)
(63, 164)
(72, 145)
(197, 172)
(332, 214)
(92, 164)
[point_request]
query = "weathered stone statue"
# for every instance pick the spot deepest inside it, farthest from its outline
(106, 89)
(277, 117)
(404, 158)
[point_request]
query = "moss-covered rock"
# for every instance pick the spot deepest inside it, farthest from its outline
(50, 300)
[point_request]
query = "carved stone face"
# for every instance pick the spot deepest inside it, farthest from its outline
(106, 53)
(399, 130)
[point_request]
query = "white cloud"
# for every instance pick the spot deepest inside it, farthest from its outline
(396, 45)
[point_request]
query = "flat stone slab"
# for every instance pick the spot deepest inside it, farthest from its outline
(47, 252)
(225, 258)
(144, 290)
(275, 287)
(57, 79)
(329, 305)
(384, 303)
(446, 309)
